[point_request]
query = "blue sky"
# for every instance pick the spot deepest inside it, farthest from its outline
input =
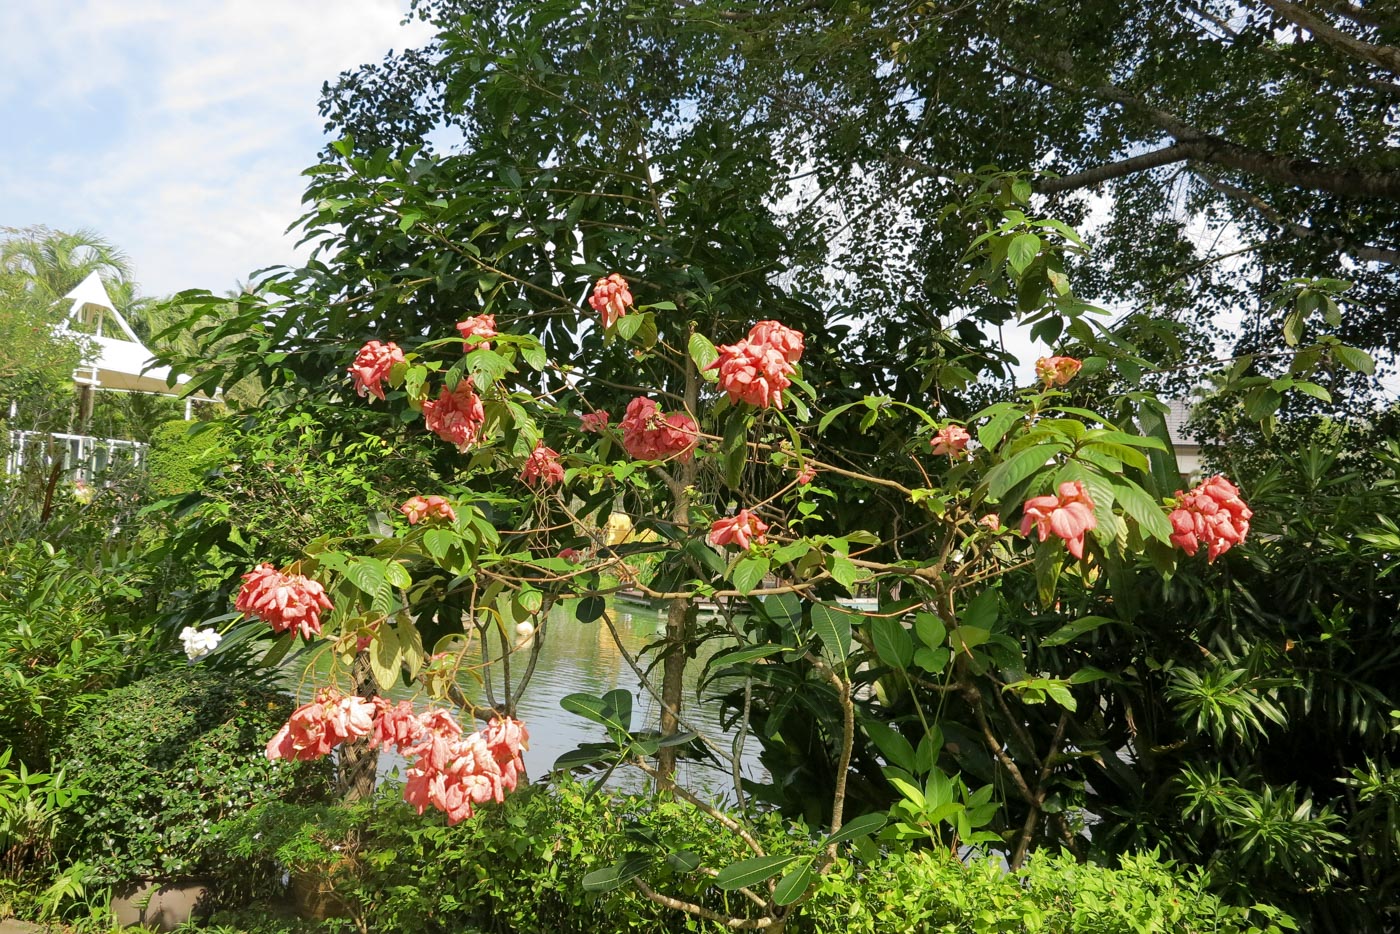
(177, 129)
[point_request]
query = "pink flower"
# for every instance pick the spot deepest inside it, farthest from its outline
(284, 601)
(371, 367)
(456, 416)
(1212, 513)
(611, 298)
(806, 475)
(453, 771)
(648, 435)
(314, 729)
(991, 522)
(593, 422)
(395, 725)
(422, 508)
(1069, 516)
(743, 530)
(570, 554)
(757, 370)
(1057, 371)
(951, 440)
(543, 465)
(482, 326)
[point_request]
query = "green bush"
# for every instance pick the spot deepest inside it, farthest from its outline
(178, 461)
(168, 758)
(520, 868)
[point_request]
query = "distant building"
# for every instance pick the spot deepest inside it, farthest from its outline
(1187, 448)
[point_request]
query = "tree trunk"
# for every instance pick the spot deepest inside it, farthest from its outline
(358, 762)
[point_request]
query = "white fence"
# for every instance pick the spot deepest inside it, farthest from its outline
(84, 457)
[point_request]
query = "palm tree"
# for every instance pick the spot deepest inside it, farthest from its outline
(51, 263)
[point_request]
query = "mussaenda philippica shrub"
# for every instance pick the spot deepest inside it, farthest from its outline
(519, 867)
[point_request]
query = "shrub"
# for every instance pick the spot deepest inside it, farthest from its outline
(178, 461)
(520, 868)
(168, 758)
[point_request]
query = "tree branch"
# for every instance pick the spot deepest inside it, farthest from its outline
(1384, 56)
(1177, 152)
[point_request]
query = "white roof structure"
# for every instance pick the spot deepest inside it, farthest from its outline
(118, 360)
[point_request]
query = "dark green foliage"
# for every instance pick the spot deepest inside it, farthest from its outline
(178, 460)
(520, 868)
(166, 759)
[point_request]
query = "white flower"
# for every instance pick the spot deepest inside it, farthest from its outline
(199, 642)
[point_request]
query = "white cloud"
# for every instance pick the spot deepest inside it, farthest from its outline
(178, 130)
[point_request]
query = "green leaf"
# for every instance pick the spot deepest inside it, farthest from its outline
(1006, 475)
(1144, 510)
(1354, 359)
(397, 575)
(1022, 252)
(892, 641)
(934, 661)
(368, 574)
(930, 630)
(843, 571)
(1074, 629)
(894, 747)
(748, 872)
(833, 627)
(616, 875)
(859, 827)
(748, 573)
(385, 657)
(702, 351)
(794, 885)
(590, 609)
(982, 611)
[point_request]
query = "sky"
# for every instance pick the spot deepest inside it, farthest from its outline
(176, 129)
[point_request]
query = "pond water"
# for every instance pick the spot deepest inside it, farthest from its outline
(583, 657)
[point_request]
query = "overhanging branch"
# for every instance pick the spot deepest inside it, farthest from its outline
(1385, 56)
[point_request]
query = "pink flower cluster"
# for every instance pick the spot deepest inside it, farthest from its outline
(743, 530)
(456, 416)
(756, 369)
(314, 729)
(1069, 515)
(611, 298)
(1212, 513)
(483, 326)
(421, 508)
(1057, 371)
(951, 441)
(593, 422)
(371, 367)
(452, 771)
(806, 475)
(647, 435)
(543, 465)
(284, 601)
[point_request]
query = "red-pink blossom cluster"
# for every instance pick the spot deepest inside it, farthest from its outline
(482, 326)
(611, 298)
(422, 508)
(452, 772)
(1069, 515)
(991, 522)
(647, 435)
(757, 369)
(1212, 513)
(743, 530)
(371, 367)
(543, 465)
(314, 729)
(806, 475)
(284, 601)
(593, 422)
(455, 771)
(456, 416)
(1057, 371)
(951, 440)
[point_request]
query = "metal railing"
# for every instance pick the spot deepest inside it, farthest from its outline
(85, 457)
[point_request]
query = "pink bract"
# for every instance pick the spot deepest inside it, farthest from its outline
(757, 370)
(543, 466)
(1057, 371)
(1212, 513)
(611, 298)
(648, 435)
(743, 530)
(456, 416)
(593, 422)
(482, 326)
(1069, 515)
(283, 601)
(806, 475)
(371, 367)
(951, 441)
(421, 508)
